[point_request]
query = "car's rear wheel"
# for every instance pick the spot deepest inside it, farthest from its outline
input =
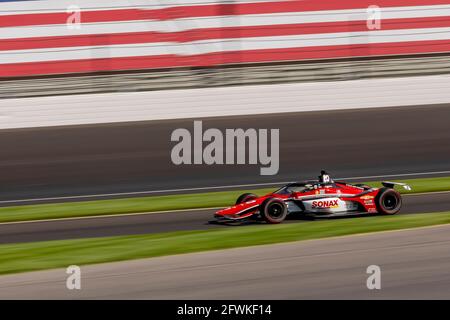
(246, 197)
(388, 201)
(273, 210)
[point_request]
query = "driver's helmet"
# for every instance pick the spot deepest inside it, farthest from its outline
(325, 177)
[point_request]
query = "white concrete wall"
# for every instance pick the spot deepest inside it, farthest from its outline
(224, 101)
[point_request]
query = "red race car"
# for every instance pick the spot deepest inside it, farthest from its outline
(315, 198)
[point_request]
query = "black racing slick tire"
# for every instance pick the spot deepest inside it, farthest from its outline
(246, 197)
(273, 210)
(388, 201)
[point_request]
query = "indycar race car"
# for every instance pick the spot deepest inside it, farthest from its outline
(317, 199)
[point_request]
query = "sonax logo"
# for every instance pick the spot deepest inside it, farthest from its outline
(325, 204)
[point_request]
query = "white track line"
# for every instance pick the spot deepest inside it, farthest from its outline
(150, 192)
(108, 216)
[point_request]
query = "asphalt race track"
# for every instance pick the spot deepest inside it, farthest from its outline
(129, 157)
(414, 264)
(164, 222)
(133, 157)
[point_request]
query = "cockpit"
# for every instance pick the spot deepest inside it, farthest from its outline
(296, 187)
(304, 186)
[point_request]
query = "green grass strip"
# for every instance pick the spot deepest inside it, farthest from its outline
(166, 203)
(62, 253)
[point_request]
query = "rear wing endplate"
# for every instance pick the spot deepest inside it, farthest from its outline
(389, 184)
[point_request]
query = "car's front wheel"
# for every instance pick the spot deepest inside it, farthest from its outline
(273, 210)
(246, 197)
(388, 201)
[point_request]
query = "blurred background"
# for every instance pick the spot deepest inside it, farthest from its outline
(91, 91)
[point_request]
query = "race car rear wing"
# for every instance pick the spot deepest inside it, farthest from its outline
(389, 184)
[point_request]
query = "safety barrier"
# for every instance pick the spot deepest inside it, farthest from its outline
(224, 101)
(215, 77)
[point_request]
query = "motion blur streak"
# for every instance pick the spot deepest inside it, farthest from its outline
(223, 101)
(116, 158)
(133, 37)
(317, 269)
(213, 188)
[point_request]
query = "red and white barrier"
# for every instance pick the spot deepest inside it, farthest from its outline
(59, 36)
